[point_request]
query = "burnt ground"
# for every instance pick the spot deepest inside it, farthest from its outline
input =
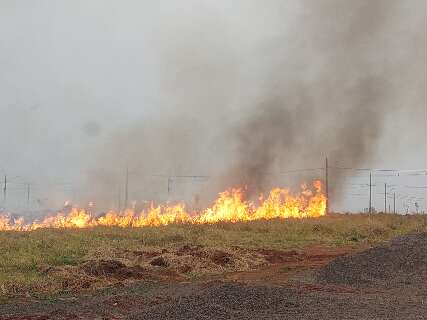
(386, 282)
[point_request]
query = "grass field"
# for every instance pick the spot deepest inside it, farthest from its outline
(46, 261)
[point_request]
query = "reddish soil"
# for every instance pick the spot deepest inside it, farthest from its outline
(196, 251)
(112, 269)
(284, 264)
(221, 258)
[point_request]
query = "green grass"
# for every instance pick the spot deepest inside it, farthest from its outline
(23, 255)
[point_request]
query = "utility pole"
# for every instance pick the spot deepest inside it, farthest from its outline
(127, 188)
(327, 185)
(119, 199)
(394, 203)
(28, 195)
(370, 192)
(385, 197)
(169, 185)
(5, 189)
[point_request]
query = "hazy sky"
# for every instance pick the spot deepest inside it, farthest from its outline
(90, 87)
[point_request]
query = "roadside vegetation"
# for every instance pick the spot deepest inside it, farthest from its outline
(49, 261)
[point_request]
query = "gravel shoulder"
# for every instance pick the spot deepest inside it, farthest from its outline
(238, 301)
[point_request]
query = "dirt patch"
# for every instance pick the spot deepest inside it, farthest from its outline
(279, 256)
(402, 261)
(159, 262)
(280, 265)
(187, 262)
(221, 258)
(185, 268)
(147, 254)
(195, 251)
(196, 260)
(112, 269)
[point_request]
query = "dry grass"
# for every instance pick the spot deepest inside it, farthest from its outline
(27, 257)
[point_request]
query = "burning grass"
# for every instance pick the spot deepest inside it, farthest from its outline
(230, 206)
(47, 261)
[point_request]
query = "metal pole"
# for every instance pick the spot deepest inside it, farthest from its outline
(28, 195)
(119, 198)
(127, 188)
(394, 203)
(385, 197)
(5, 188)
(327, 185)
(370, 192)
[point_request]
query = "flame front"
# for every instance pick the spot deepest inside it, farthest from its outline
(230, 206)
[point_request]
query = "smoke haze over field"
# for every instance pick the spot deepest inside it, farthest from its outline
(237, 90)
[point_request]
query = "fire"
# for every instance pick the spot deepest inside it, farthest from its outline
(231, 206)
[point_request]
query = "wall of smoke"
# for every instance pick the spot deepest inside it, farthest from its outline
(237, 90)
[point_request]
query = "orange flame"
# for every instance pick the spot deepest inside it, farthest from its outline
(230, 206)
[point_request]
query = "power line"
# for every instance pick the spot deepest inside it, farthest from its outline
(419, 171)
(295, 171)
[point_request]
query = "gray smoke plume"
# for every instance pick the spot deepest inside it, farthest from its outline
(297, 128)
(240, 91)
(314, 85)
(330, 86)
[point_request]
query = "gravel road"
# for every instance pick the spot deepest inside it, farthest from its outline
(397, 264)
(237, 301)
